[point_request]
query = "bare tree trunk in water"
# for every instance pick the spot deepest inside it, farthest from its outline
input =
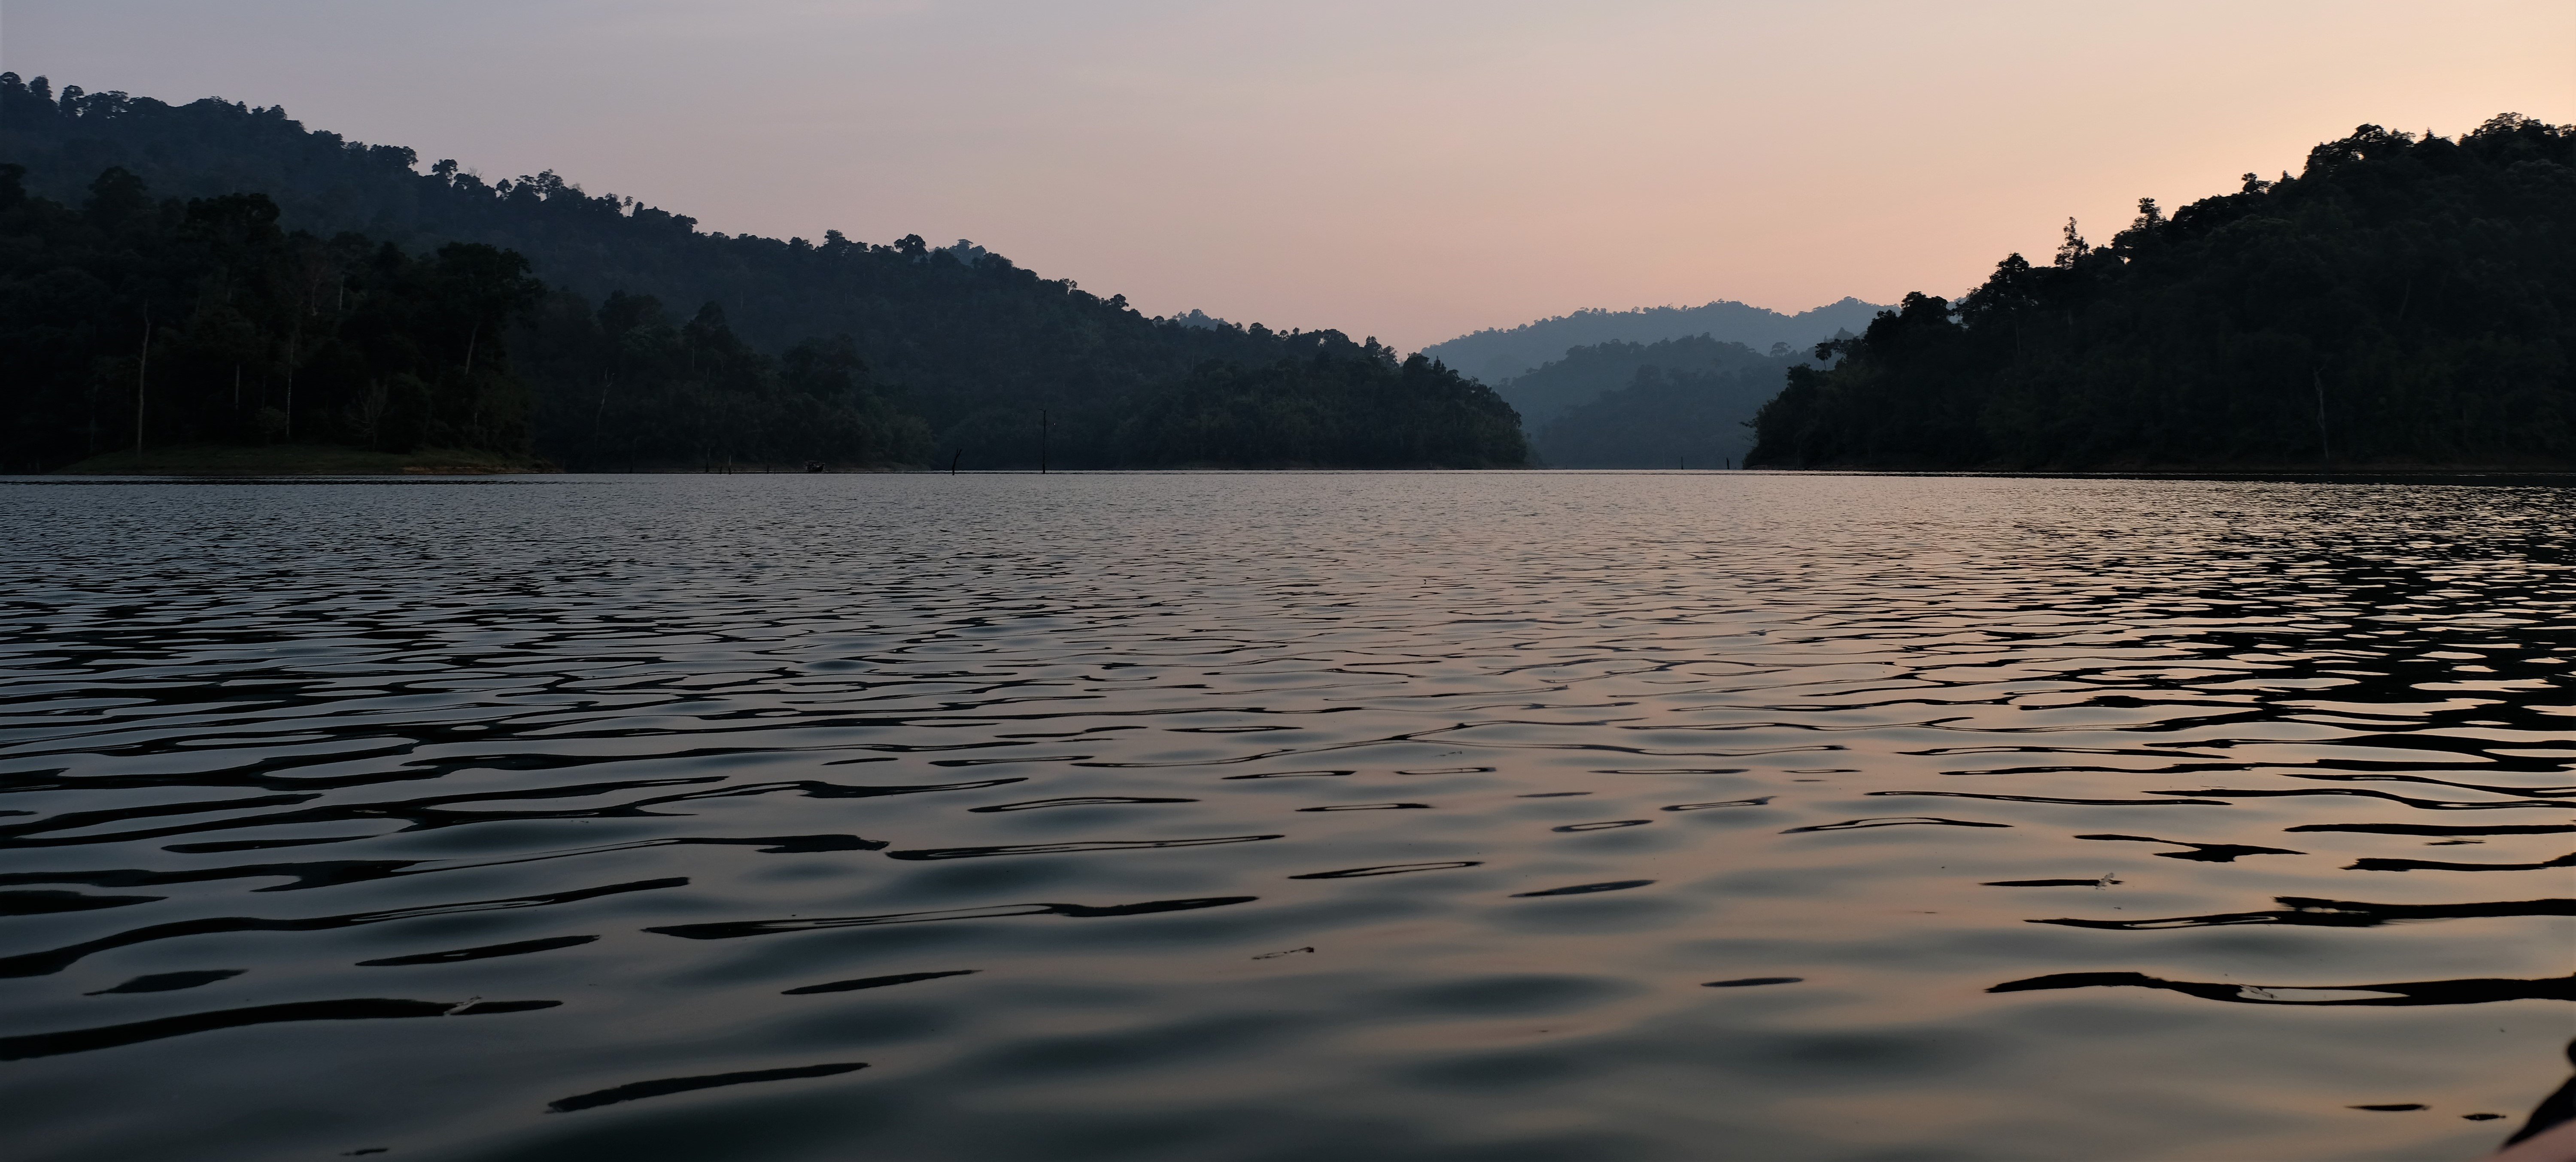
(600, 417)
(474, 410)
(2325, 444)
(142, 368)
(291, 341)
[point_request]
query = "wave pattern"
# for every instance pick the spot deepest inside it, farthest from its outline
(2053, 818)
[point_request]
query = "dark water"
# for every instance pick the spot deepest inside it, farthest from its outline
(1283, 817)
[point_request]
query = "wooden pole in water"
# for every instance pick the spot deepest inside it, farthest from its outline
(952, 461)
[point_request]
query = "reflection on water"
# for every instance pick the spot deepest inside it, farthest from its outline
(1283, 816)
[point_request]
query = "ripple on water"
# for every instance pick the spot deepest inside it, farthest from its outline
(1283, 816)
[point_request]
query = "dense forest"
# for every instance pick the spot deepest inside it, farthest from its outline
(130, 321)
(629, 338)
(1684, 402)
(1496, 355)
(2403, 301)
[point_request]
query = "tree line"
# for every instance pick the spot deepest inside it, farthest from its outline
(651, 343)
(132, 322)
(2405, 300)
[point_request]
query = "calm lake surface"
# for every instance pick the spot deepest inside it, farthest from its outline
(1297, 816)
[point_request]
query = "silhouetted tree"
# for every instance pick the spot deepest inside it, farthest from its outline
(2404, 300)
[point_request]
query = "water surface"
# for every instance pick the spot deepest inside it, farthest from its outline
(1440, 816)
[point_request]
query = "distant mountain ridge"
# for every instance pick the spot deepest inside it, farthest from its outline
(1494, 355)
(1664, 418)
(1674, 404)
(1583, 375)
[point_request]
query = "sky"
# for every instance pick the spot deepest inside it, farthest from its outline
(1410, 171)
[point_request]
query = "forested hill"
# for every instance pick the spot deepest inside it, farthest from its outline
(1584, 374)
(1499, 354)
(1648, 405)
(988, 354)
(2403, 301)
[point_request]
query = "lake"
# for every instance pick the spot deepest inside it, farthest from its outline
(1283, 816)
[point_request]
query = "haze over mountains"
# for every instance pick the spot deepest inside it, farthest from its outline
(1653, 387)
(1678, 403)
(1495, 355)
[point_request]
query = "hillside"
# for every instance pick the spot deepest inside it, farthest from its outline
(1649, 405)
(1496, 355)
(1584, 374)
(982, 355)
(2403, 301)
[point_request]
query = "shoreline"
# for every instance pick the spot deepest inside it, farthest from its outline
(302, 460)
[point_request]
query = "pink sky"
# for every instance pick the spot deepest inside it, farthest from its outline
(1410, 171)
